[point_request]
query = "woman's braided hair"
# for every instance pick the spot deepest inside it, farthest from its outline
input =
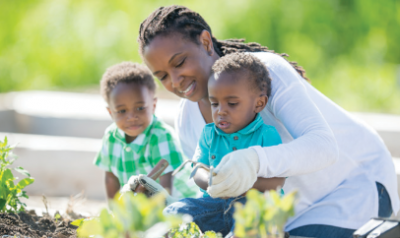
(190, 24)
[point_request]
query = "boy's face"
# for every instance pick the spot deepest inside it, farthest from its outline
(131, 106)
(234, 100)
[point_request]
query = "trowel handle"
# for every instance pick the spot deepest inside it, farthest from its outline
(154, 174)
(158, 169)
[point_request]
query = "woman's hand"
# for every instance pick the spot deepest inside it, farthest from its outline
(236, 173)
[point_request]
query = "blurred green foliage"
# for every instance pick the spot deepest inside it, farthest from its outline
(349, 48)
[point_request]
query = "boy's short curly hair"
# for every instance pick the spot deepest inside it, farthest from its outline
(235, 62)
(126, 72)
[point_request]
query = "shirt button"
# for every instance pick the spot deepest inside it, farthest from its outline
(128, 149)
(234, 148)
(236, 138)
(213, 157)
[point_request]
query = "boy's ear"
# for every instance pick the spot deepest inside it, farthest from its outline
(154, 104)
(109, 111)
(206, 41)
(261, 103)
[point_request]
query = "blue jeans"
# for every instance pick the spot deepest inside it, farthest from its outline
(208, 213)
(385, 210)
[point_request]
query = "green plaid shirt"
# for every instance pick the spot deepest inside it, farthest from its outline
(141, 155)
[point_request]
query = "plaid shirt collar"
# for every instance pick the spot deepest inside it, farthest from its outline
(140, 141)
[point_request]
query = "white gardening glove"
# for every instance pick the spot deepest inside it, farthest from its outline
(236, 174)
(131, 185)
(153, 188)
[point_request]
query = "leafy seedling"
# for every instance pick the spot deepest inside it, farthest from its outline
(190, 230)
(130, 216)
(263, 215)
(10, 193)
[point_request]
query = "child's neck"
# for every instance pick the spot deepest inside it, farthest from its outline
(129, 139)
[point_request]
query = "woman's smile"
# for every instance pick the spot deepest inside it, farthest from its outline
(182, 66)
(189, 90)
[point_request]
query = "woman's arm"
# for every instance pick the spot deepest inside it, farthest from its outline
(262, 184)
(314, 146)
(112, 185)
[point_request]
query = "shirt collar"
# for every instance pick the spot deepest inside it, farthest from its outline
(140, 140)
(250, 128)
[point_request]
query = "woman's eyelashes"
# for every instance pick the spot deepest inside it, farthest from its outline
(163, 77)
(180, 63)
(176, 66)
(122, 111)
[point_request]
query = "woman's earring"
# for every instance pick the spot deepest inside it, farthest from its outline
(210, 52)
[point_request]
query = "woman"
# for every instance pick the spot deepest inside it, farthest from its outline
(336, 163)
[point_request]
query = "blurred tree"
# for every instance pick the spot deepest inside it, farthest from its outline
(349, 49)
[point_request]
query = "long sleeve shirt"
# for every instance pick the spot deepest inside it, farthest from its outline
(332, 159)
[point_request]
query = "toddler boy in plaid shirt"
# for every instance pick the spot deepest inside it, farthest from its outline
(137, 140)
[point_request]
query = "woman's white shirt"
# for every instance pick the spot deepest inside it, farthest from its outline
(331, 159)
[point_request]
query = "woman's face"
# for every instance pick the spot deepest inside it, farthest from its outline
(182, 66)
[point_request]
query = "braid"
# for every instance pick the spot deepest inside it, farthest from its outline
(181, 19)
(237, 45)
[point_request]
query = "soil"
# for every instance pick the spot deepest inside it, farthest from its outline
(28, 224)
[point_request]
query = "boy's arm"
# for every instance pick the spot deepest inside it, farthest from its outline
(112, 185)
(265, 184)
(201, 155)
(103, 161)
(166, 181)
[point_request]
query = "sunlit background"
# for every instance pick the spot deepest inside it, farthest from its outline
(350, 49)
(54, 52)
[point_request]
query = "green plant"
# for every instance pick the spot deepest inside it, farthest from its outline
(57, 216)
(138, 216)
(130, 216)
(9, 192)
(263, 215)
(190, 230)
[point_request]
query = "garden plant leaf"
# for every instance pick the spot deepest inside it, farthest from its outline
(9, 192)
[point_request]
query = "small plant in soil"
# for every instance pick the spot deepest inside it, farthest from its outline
(14, 220)
(130, 216)
(263, 216)
(190, 230)
(10, 192)
(138, 216)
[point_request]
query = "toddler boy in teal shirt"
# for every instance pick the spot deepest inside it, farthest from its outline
(238, 90)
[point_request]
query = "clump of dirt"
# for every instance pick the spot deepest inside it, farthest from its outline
(29, 224)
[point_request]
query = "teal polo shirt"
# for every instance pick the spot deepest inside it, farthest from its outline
(214, 144)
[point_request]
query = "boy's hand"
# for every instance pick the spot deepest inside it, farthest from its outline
(151, 186)
(131, 185)
(236, 173)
